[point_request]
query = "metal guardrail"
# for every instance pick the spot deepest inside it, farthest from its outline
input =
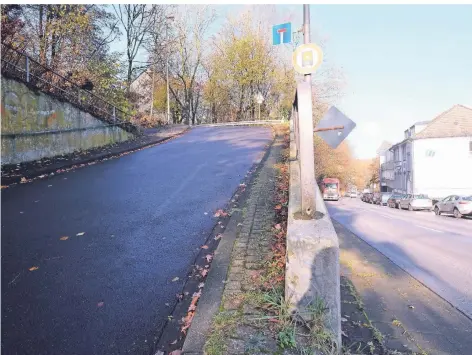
(241, 123)
(19, 66)
(302, 120)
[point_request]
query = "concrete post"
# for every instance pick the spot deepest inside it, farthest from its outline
(306, 154)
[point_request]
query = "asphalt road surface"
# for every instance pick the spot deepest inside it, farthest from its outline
(436, 250)
(143, 219)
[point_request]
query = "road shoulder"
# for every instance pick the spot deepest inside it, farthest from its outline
(401, 314)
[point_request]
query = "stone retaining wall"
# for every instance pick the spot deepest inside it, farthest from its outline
(36, 125)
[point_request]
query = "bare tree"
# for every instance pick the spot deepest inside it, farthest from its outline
(139, 24)
(190, 30)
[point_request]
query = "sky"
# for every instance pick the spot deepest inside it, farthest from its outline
(401, 63)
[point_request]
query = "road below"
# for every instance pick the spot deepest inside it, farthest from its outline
(435, 250)
(133, 225)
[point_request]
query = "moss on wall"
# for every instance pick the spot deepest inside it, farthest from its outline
(26, 111)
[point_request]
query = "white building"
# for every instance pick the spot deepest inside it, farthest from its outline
(435, 158)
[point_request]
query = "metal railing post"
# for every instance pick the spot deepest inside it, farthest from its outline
(27, 70)
(114, 113)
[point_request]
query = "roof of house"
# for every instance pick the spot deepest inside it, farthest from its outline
(383, 147)
(455, 122)
(421, 123)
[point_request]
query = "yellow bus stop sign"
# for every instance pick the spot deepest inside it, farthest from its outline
(307, 58)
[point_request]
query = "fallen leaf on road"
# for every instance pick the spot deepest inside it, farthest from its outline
(277, 226)
(176, 352)
(174, 342)
(204, 272)
(191, 308)
(208, 257)
(167, 304)
(100, 304)
(175, 279)
(204, 247)
(64, 238)
(33, 268)
(220, 213)
(80, 234)
(23, 179)
(201, 285)
(278, 207)
(218, 237)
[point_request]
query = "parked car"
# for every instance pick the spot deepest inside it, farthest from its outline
(384, 198)
(367, 197)
(376, 197)
(416, 202)
(353, 194)
(394, 200)
(457, 205)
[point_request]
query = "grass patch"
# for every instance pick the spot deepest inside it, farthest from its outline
(223, 324)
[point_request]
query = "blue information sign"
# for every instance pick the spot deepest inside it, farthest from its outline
(282, 33)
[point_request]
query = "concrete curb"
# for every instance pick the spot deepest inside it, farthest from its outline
(312, 266)
(7, 181)
(210, 301)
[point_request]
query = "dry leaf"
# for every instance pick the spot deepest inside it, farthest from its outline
(175, 279)
(208, 257)
(192, 308)
(100, 304)
(33, 268)
(201, 284)
(278, 207)
(204, 272)
(64, 238)
(174, 342)
(23, 179)
(277, 226)
(204, 246)
(218, 237)
(80, 234)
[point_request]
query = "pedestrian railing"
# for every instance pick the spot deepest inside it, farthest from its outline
(302, 129)
(19, 66)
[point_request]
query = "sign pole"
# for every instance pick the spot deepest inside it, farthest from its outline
(306, 32)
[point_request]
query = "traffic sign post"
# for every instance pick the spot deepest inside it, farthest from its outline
(282, 34)
(259, 99)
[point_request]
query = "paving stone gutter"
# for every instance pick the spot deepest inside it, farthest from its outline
(239, 256)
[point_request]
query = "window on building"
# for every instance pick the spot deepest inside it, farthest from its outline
(430, 153)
